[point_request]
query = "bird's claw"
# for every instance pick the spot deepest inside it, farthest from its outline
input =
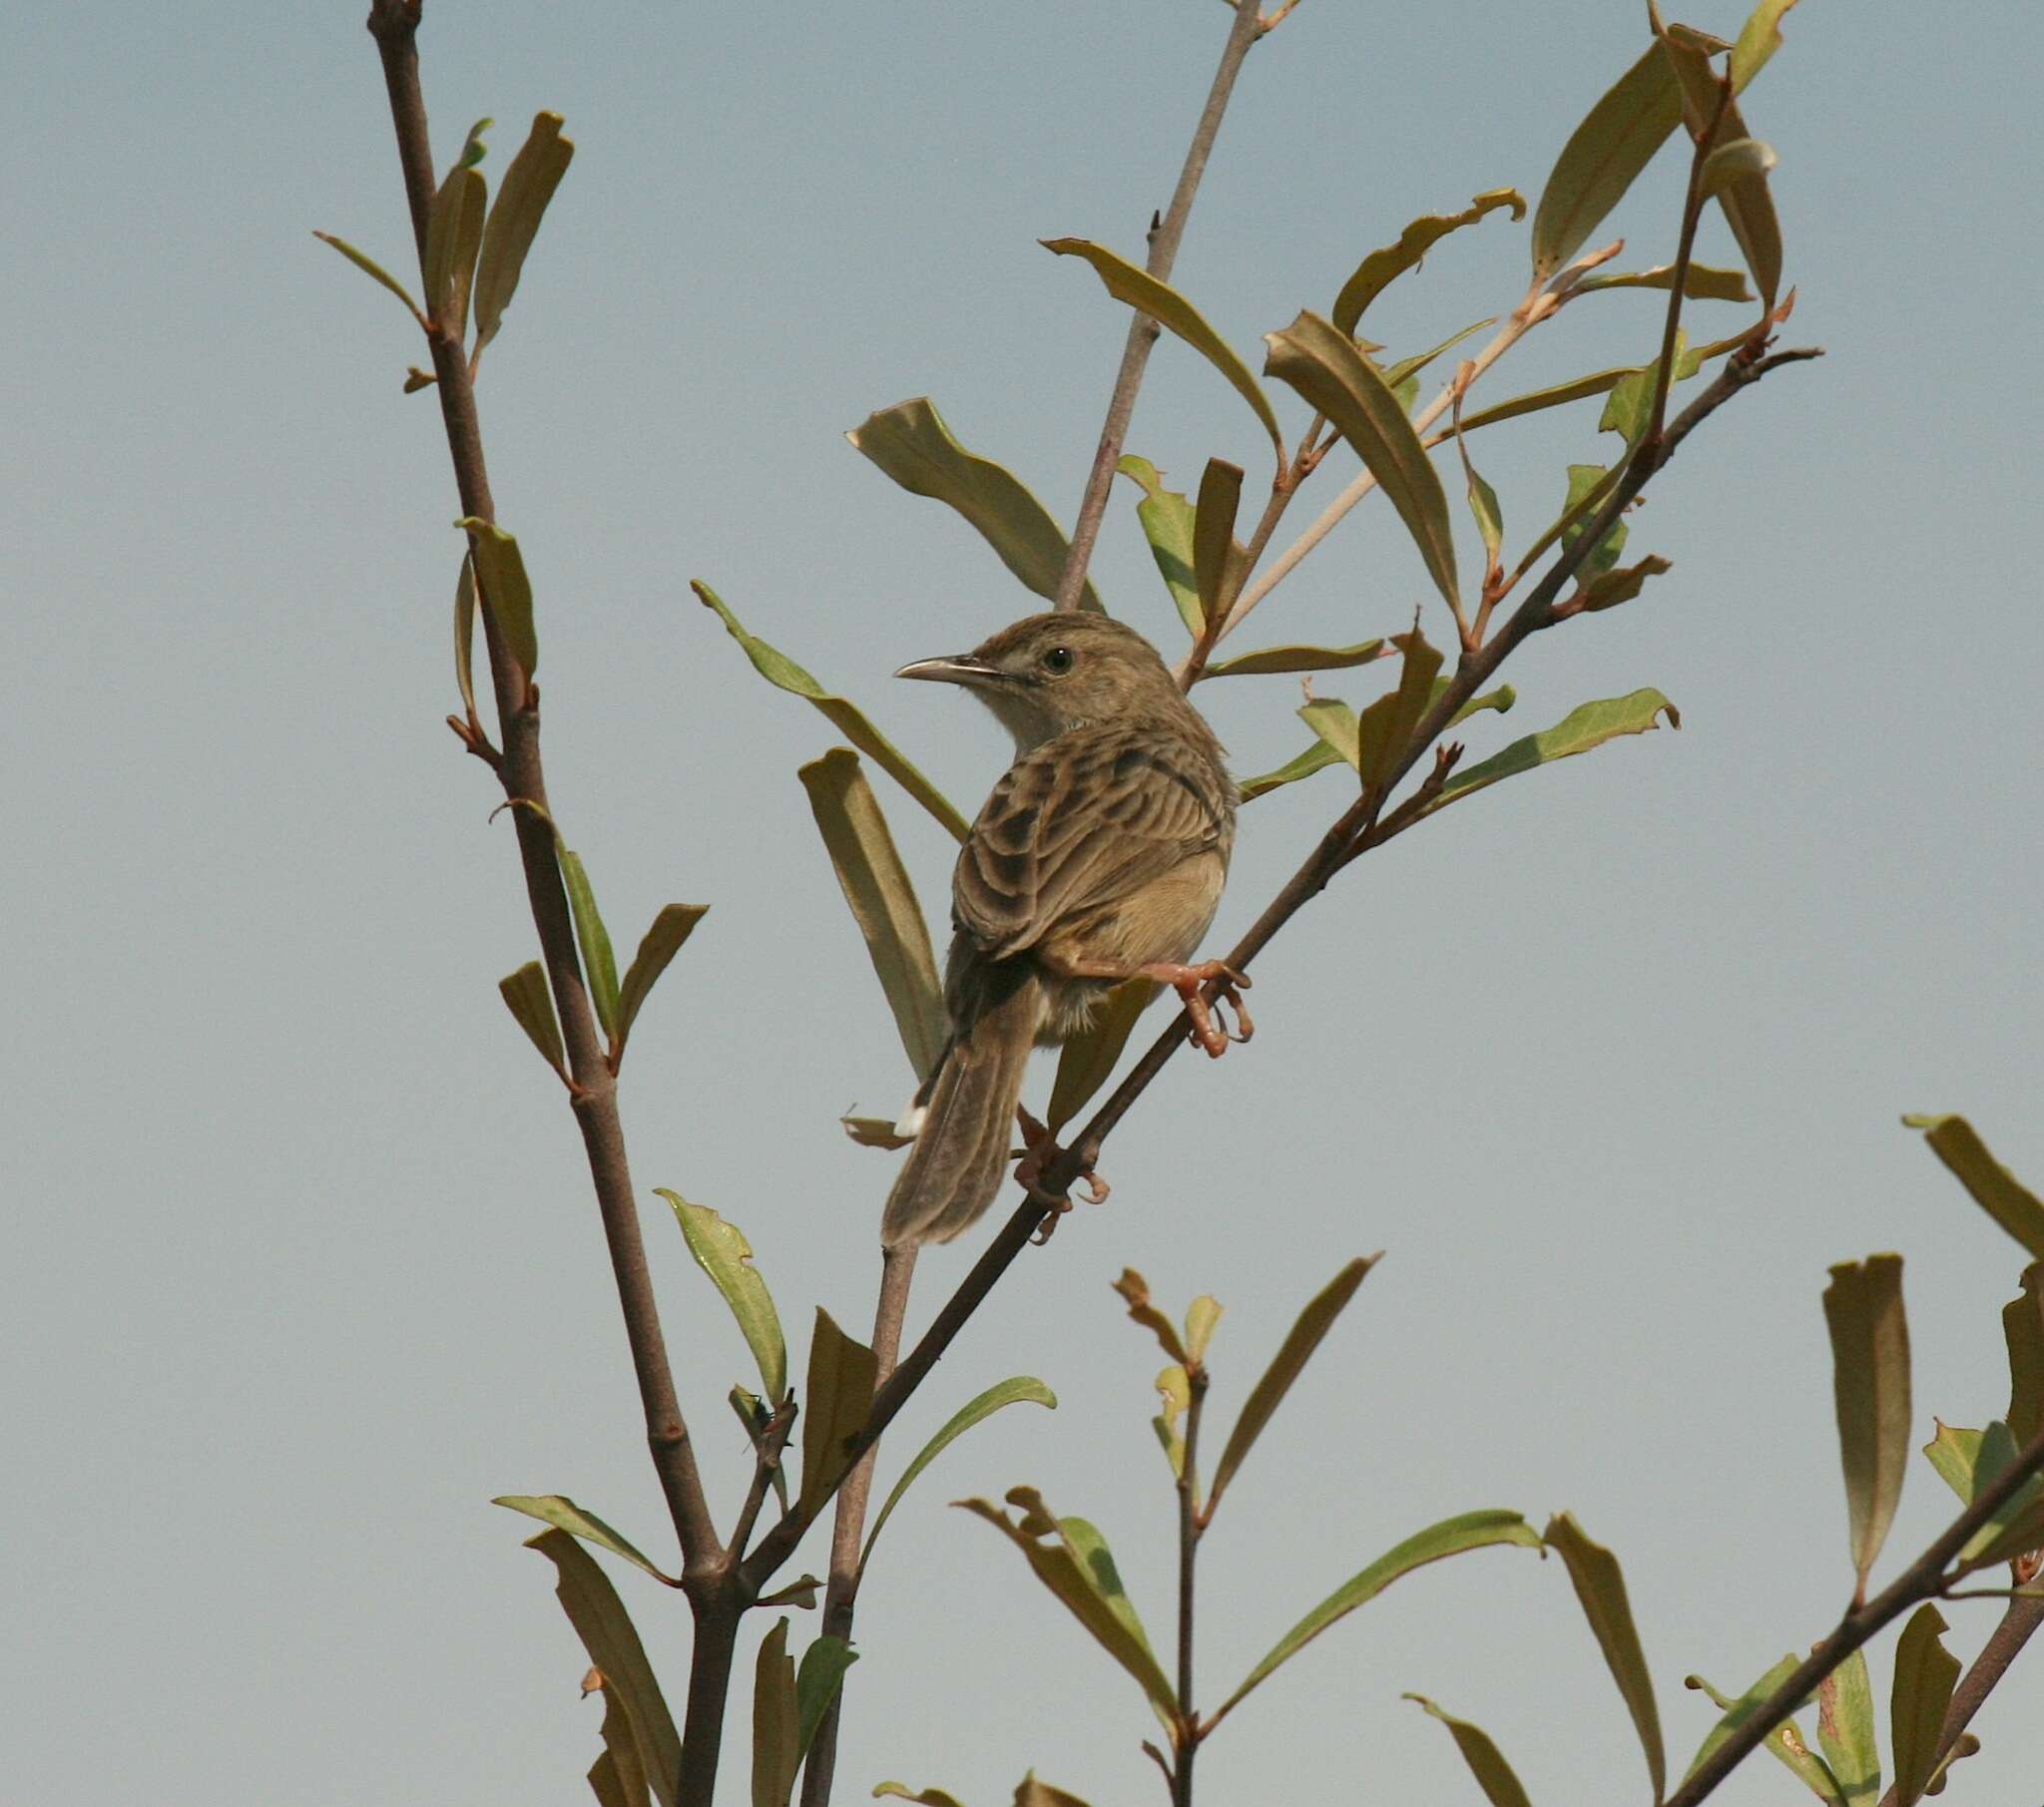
(1040, 1148)
(1191, 982)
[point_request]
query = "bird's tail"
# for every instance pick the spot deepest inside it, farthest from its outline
(967, 1122)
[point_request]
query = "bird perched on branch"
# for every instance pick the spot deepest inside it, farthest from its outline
(1099, 857)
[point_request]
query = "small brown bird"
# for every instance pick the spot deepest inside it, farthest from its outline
(1098, 858)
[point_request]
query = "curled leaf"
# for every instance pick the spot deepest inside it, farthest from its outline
(1167, 519)
(721, 1252)
(1994, 1188)
(1376, 271)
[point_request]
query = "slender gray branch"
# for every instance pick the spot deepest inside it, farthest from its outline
(2004, 1645)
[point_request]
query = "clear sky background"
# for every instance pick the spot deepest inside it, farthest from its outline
(302, 1262)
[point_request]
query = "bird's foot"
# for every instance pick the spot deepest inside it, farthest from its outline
(1191, 983)
(1039, 1149)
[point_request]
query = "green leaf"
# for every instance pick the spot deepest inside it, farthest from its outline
(1317, 758)
(599, 964)
(1286, 1366)
(1615, 141)
(529, 183)
(1170, 310)
(1579, 388)
(560, 1511)
(911, 443)
(1731, 162)
(1175, 1390)
(1971, 1460)
(1070, 1559)
(1032, 1793)
(2022, 1328)
(816, 1684)
(1740, 188)
(1013, 1391)
(1600, 1587)
(783, 672)
(1483, 508)
(606, 1634)
(721, 1252)
(1406, 370)
(929, 1797)
(1451, 1537)
(1610, 588)
(1088, 1060)
(801, 1592)
(1966, 1745)
(616, 1778)
(1955, 1452)
(1500, 700)
(1323, 365)
(1700, 282)
(464, 634)
(660, 944)
(777, 1721)
(526, 996)
(1589, 486)
(1629, 409)
(507, 591)
(1995, 1189)
(875, 1133)
(369, 267)
(1218, 560)
(1925, 1674)
(473, 150)
(1486, 1762)
(1135, 1293)
(1202, 1315)
(1380, 268)
(883, 900)
(1758, 39)
(1845, 1732)
(454, 234)
(1334, 721)
(1386, 727)
(839, 1396)
(1784, 1743)
(1268, 661)
(1870, 1384)
(1577, 733)
(1166, 519)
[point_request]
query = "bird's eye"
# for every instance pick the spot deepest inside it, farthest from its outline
(1057, 660)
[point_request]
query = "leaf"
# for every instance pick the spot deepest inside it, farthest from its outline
(369, 267)
(1135, 1293)
(1380, 268)
(2022, 1328)
(1334, 721)
(816, 1684)
(1578, 388)
(883, 900)
(783, 672)
(454, 234)
(1175, 1390)
(526, 996)
(616, 1778)
(911, 443)
(1971, 1460)
(875, 1133)
(801, 1592)
(1218, 560)
(1729, 163)
(1451, 1537)
(560, 1511)
(659, 945)
(1317, 758)
(1029, 1792)
(1995, 1189)
(1610, 588)
(777, 1752)
(1739, 188)
(464, 634)
(1629, 409)
(1286, 1366)
(1577, 733)
(599, 964)
(1784, 1743)
(1408, 368)
(507, 591)
(837, 1398)
(721, 1252)
(1383, 730)
(1700, 282)
(473, 150)
(1483, 508)
(1600, 1587)
(416, 379)
(1486, 1762)
(1615, 141)
(1955, 1453)
(1170, 310)
(1870, 1384)
(1758, 40)
(1966, 1745)
(1925, 1674)
(1589, 485)
(929, 1797)
(1202, 1315)
(1088, 1057)
(1323, 365)
(1268, 661)
(1013, 1391)
(529, 183)
(1166, 519)
(1070, 1559)
(606, 1634)
(1845, 1732)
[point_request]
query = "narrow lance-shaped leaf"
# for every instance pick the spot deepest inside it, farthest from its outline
(560, 1511)
(529, 183)
(1268, 661)
(373, 270)
(839, 1394)
(1202, 1316)
(1170, 310)
(777, 1721)
(1758, 39)
(1218, 558)
(659, 945)
(507, 591)
(1577, 733)
(1317, 758)
(1408, 368)
(1700, 282)
(1786, 1743)
(526, 996)
(1383, 730)
(608, 1635)
(1286, 1366)
(1013, 1391)
(721, 1252)
(2022, 1328)
(454, 234)
(616, 1777)
(599, 963)
(882, 901)
(1995, 1189)
(1739, 188)
(1323, 365)
(784, 674)
(1600, 1587)
(1483, 507)
(1377, 271)
(1166, 519)
(464, 634)
(1845, 1732)
(1135, 1293)
(1334, 723)
(926, 1797)
(1597, 382)
(1088, 1060)
(1486, 1762)
(816, 1684)
(1451, 1537)
(911, 443)
(1615, 141)
(1925, 1674)
(1870, 1384)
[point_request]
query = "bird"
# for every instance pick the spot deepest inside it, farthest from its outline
(1098, 857)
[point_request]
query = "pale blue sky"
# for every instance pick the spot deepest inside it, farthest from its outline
(304, 1266)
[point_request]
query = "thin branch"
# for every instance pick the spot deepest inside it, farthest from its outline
(766, 1462)
(2018, 1625)
(1691, 214)
(1186, 1734)
(1165, 238)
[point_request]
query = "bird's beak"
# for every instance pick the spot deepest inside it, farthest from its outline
(964, 668)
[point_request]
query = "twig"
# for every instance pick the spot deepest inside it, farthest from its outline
(1185, 1732)
(766, 1459)
(1691, 214)
(2002, 1648)
(1165, 238)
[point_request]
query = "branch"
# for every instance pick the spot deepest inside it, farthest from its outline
(1165, 238)
(1185, 1734)
(2002, 1648)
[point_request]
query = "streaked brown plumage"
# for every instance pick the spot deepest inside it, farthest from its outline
(1101, 853)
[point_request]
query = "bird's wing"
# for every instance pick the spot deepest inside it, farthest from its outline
(1077, 822)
